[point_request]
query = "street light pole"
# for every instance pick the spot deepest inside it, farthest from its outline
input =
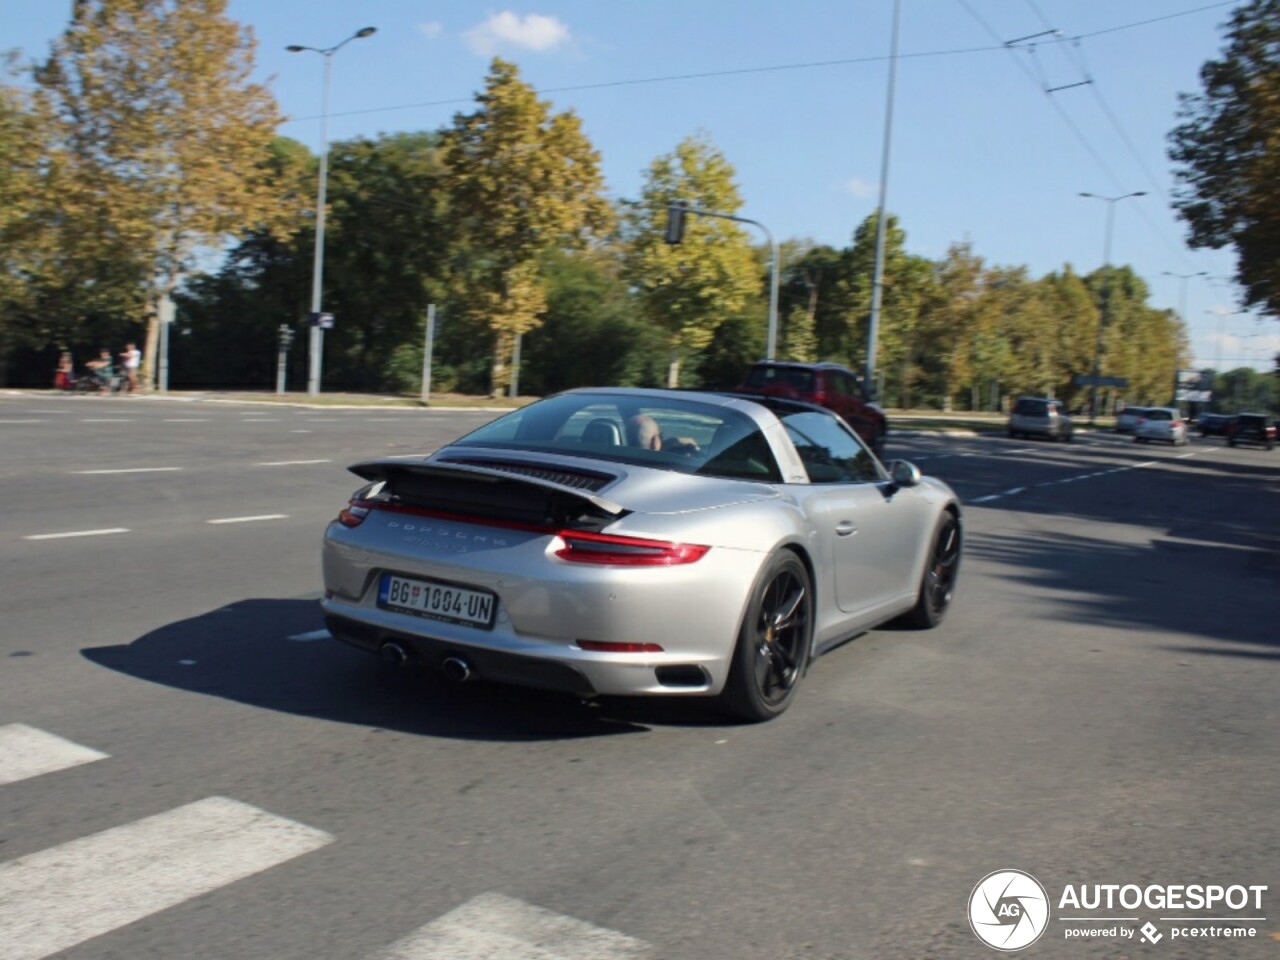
(877, 273)
(1104, 315)
(316, 342)
(680, 208)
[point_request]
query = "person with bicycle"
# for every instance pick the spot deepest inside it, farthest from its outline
(101, 369)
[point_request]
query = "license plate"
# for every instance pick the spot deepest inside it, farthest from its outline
(438, 600)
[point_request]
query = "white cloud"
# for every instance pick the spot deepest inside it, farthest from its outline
(859, 188)
(532, 32)
(432, 28)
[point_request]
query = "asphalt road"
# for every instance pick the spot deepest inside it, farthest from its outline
(187, 771)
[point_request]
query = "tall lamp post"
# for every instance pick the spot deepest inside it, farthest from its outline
(1106, 292)
(316, 343)
(1182, 295)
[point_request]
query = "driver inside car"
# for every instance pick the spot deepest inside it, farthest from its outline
(643, 432)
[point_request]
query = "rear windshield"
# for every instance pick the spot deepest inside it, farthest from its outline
(1252, 420)
(672, 434)
(798, 379)
(1158, 414)
(1032, 408)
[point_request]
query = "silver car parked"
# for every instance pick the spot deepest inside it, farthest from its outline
(644, 542)
(1040, 417)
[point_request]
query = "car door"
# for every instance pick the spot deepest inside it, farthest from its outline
(866, 530)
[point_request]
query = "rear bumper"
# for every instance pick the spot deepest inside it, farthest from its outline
(496, 665)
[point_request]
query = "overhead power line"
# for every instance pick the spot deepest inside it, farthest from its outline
(743, 71)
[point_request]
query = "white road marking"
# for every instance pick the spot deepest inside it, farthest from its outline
(59, 897)
(494, 927)
(1051, 483)
(107, 420)
(27, 752)
(262, 516)
(323, 419)
(260, 420)
(48, 411)
(404, 456)
(299, 431)
(33, 420)
(186, 420)
(313, 635)
(128, 470)
(289, 463)
(76, 533)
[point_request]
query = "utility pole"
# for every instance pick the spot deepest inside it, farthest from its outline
(877, 278)
(1104, 314)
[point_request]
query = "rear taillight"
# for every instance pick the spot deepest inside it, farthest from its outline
(603, 548)
(354, 513)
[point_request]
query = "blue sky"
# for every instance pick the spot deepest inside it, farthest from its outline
(793, 93)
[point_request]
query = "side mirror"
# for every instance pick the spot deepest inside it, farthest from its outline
(904, 473)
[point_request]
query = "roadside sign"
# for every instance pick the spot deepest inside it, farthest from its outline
(322, 320)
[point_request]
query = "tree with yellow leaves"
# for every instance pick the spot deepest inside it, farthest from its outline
(524, 181)
(160, 141)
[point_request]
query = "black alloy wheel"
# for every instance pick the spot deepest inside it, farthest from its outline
(938, 585)
(774, 643)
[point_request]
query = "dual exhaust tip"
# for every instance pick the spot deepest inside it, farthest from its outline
(455, 668)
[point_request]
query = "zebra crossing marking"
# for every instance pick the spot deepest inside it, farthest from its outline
(494, 927)
(53, 899)
(27, 752)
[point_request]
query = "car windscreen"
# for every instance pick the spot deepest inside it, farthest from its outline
(1031, 408)
(671, 434)
(797, 379)
(1158, 414)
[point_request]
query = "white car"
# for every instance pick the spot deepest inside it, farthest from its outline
(1161, 423)
(1127, 419)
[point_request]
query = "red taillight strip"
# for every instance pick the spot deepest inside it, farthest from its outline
(580, 546)
(456, 517)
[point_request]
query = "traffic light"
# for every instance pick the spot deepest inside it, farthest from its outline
(676, 212)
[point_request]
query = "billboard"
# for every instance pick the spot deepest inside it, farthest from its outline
(1194, 386)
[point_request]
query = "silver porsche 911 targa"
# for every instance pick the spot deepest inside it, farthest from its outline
(640, 542)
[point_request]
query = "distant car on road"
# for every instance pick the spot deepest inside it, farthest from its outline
(828, 385)
(1161, 423)
(1252, 428)
(1127, 418)
(1040, 417)
(1213, 424)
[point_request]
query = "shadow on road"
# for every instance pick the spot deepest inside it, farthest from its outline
(242, 652)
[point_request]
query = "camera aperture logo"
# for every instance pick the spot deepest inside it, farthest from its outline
(1009, 910)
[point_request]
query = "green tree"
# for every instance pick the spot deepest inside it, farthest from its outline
(689, 289)
(524, 180)
(160, 142)
(906, 281)
(1227, 152)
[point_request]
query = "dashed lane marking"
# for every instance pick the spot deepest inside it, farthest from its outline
(27, 752)
(128, 470)
(263, 516)
(289, 463)
(76, 533)
(57, 898)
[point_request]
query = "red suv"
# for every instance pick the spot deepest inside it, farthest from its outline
(828, 385)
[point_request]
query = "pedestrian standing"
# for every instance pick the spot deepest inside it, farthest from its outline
(131, 357)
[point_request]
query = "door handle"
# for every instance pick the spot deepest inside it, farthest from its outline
(846, 527)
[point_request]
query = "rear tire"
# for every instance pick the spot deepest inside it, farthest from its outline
(938, 582)
(774, 642)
